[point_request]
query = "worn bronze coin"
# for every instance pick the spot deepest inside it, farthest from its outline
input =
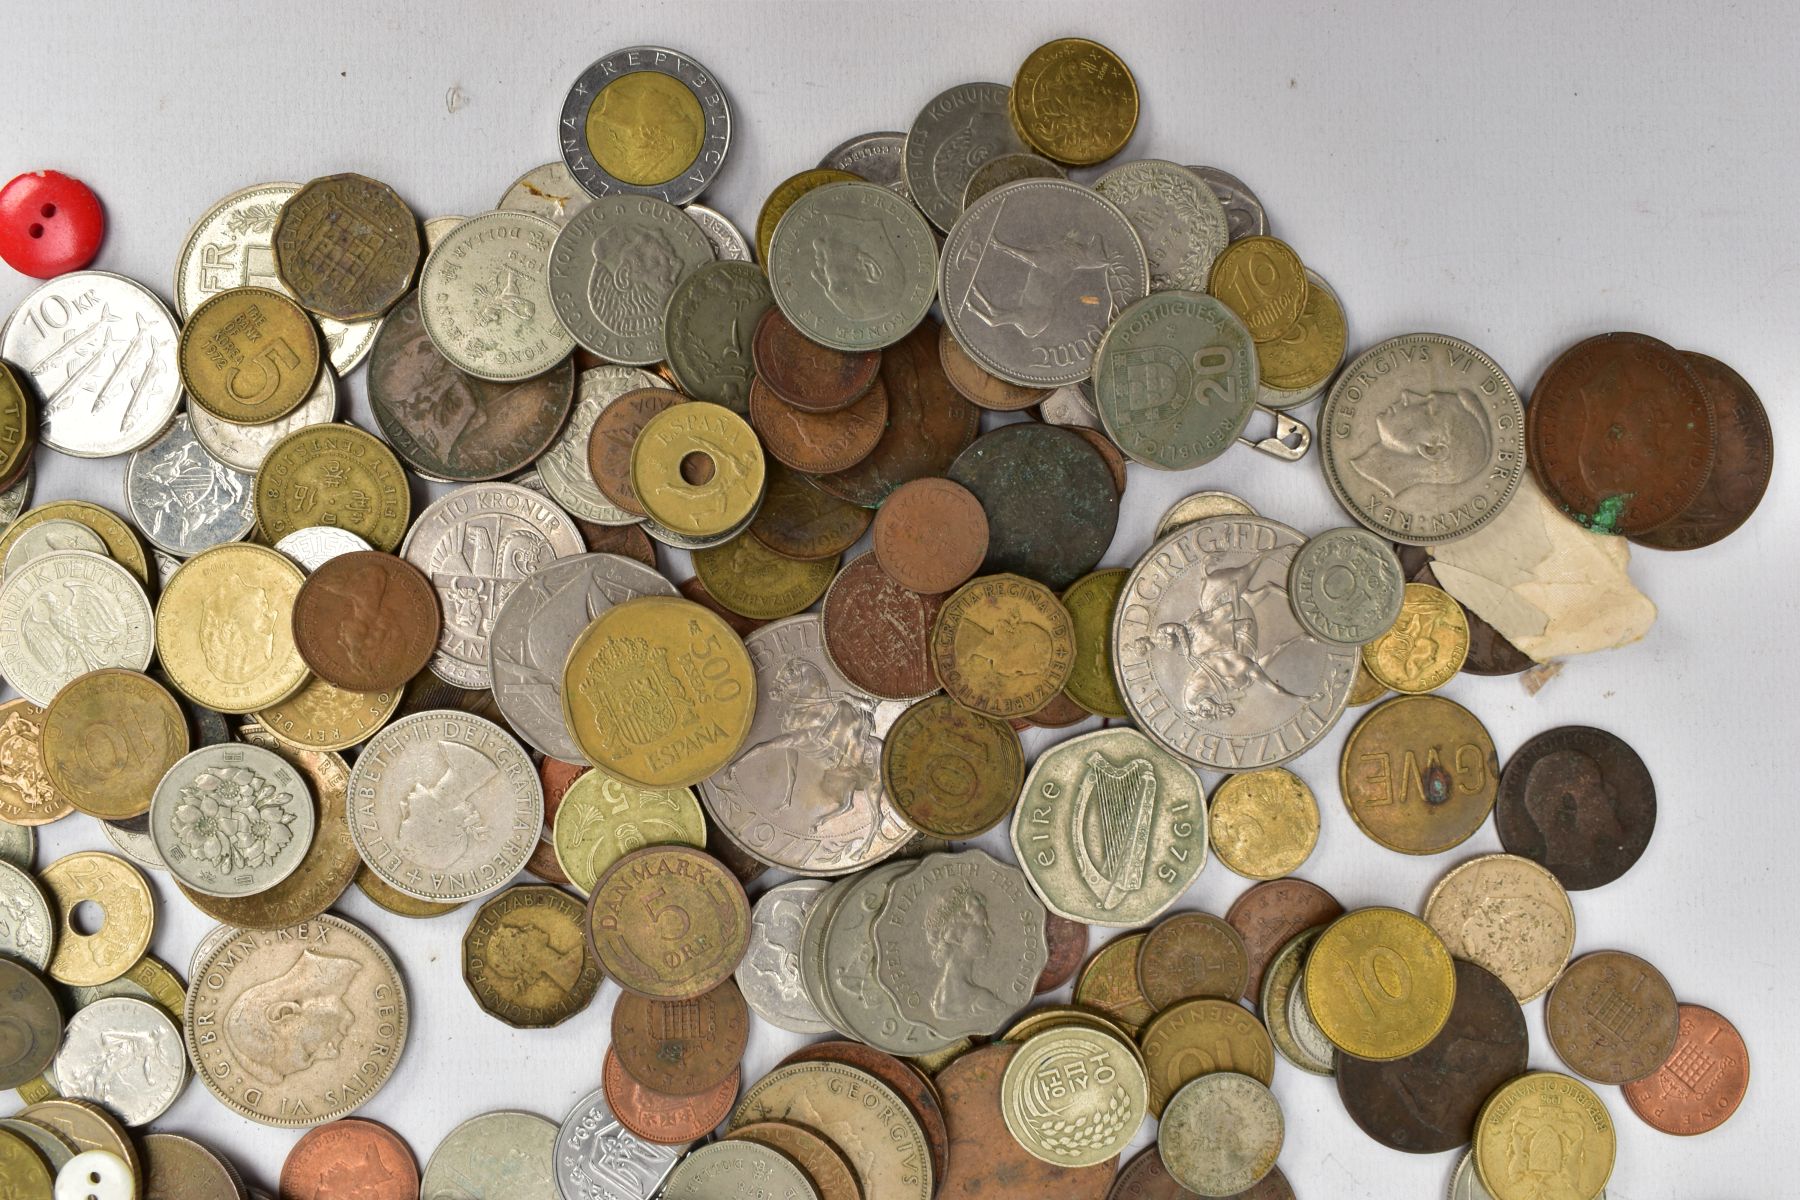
(1049, 498)
(915, 1091)
(1192, 954)
(682, 1047)
(878, 634)
(557, 777)
(351, 1158)
(1620, 433)
(1701, 1083)
(1741, 468)
(810, 377)
(1107, 449)
(950, 771)
(1059, 712)
(754, 581)
(1427, 1102)
(931, 535)
(1269, 914)
(819, 443)
(668, 922)
(986, 1161)
(1003, 645)
(929, 423)
(366, 621)
(696, 591)
(1109, 984)
(1489, 652)
(976, 385)
(1145, 1178)
(1199, 1037)
(1419, 774)
(1579, 802)
(615, 432)
(821, 1160)
(525, 959)
(665, 1120)
(346, 246)
(1068, 943)
(1612, 1017)
(798, 520)
(450, 425)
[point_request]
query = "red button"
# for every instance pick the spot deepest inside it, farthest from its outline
(49, 223)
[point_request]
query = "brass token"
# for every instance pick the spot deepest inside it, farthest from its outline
(819, 1158)
(1307, 354)
(1427, 645)
(249, 355)
(224, 628)
(1544, 1136)
(1509, 915)
(1365, 688)
(782, 199)
(1091, 601)
(602, 818)
(108, 737)
(28, 796)
(127, 916)
(753, 581)
(1262, 280)
(1003, 645)
(1379, 983)
(333, 475)
(322, 716)
(399, 903)
(122, 543)
(1109, 984)
(525, 958)
(346, 246)
(697, 469)
(1200, 1037)
(668, 922)
(1191, 955)
(950, 771)
(23, 1172)
(682, 1047)
(1074, 101)
(1419, 774)
(1264, 824)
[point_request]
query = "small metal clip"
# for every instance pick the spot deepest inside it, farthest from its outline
(1291, 440)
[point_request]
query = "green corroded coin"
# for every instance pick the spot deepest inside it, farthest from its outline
(1175, 379)
(707, 328)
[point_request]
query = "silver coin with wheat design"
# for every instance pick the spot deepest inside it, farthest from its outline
(232, 820)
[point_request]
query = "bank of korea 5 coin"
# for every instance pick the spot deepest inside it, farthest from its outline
(853, 266)
(647, 120)
(1210, 658)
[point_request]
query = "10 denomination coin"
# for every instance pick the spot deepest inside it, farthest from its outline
(950, 771)
(107, 738)
(1380, 983)
(1074, 1097)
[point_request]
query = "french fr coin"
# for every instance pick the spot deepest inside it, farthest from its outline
(232, 820)
(68, 613)
(769, 975)
(728, 241)
(1346, 586)
(645, 120)
(1176, 215)
(124, 1055)
(101, 352)
(597, 1158)
(613, 269)
(1020, 273)
(1422, 439)
(853, 266)
(498, 1154)
(961, 128)
(1210, 659)
(183, 498)
(484, 297)
(1175, 379)
(876, 157)
(1244, 215)
(564, 466)
(243, 447)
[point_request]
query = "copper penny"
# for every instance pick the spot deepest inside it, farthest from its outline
(1269, 914)
(1109, 985)
(1579, 802)
(557, 777)
(931, 535)
(353, 1157)
(1115, 460)
(818, 1158)
(366, 621)
(1741, 468)
(1068, 942)
(818, 443)
(668, 922)
(696, 591)
(810, 377)
(1489, 652)
(665, 1120)
(1191, 955)
(1059, 712)
(915, 1091)
(737, 860)
(1612, 1017)
(614, 434)
(977, 386)
(878, 633)
(628, 540)
(1145, 1178)
(1703, 1081)
(682, 1047)
(950, 771)
(1620, 433)
(1427, 1102)
(929, 424)
(986, 1161)
(798, 520)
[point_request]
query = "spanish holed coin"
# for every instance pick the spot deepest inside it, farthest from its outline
(1211, 660)
(297, 1026)
(484, 297)
(125, 1055)
(646, 120)
(1033, 275)
(536, 625)
(599, 1159)
(232, 820)
(1422, 439)
(614, 267)
(1110, 828)
(495, 1156)
(183, 498)
(564, 466)
(708, 326)
(961, 128)
(1177, 216)
(1346, 586)
(769, 975)
(475, 545)
(853, 266)
(100, 350)
(244, 447)
(68, 613)
(1175, 379)
(805, 791)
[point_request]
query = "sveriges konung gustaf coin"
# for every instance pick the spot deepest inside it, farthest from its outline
(232, 820)
(645, 120)
(445, 806)
(1211, 660)
(853, 266)
(1422, 438)
(613, 268)
(1110, 828)
(1032, 276)
(484, 297)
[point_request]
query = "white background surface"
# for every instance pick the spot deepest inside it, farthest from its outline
(1521, 175)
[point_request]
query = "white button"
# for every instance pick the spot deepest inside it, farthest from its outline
(95, 1175)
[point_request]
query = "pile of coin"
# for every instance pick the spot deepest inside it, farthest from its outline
(331, 688)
